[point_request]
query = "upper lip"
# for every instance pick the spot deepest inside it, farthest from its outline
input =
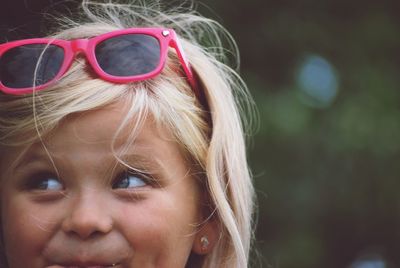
(71, 252)
(84, 264)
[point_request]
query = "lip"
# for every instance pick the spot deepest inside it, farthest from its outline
(83, 265)
(82, 261)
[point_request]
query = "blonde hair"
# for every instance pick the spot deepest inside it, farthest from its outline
(211, 134)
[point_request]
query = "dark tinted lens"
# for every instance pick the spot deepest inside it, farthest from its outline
(128, 55)
(20, 66)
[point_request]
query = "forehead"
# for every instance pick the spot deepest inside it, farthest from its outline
(100, 125)
(98, 135)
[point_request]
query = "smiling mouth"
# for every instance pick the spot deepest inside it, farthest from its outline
(92, 266)
(83, 266)
(96, 266)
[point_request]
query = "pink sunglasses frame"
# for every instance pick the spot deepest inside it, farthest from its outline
(166, 37)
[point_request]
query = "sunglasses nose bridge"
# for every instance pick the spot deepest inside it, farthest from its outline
(79, 45)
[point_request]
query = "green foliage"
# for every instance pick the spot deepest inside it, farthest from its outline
(326, 176)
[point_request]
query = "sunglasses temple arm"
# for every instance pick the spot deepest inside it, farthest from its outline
(187, 68)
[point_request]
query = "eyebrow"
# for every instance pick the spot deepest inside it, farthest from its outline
(150, 165)
(24, 157)
(37, 153)
(30, 157)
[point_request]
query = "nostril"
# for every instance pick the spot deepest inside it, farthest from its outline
(87, 229)
(86, 220)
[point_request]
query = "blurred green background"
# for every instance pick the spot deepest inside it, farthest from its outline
(325, 75)
(325, 78)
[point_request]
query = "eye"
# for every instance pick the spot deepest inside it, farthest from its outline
(50, 184)
(45, 182)
(130, 179)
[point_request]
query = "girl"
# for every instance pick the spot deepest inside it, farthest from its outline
(122, 144)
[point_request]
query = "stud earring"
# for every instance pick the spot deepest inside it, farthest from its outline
(204, 243)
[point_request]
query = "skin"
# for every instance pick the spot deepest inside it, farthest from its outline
(94, 214)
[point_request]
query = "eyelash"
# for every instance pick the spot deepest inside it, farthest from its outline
(34, 181)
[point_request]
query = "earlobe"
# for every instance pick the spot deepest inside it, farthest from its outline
(206, 238)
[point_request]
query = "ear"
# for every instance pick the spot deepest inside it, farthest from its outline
(207, 237)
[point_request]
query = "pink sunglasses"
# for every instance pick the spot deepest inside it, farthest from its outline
(120, 56)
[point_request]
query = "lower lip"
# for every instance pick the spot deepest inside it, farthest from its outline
(95, 266)
(88, 266)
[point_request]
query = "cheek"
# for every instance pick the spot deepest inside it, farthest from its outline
(162, 229)
(26, 230)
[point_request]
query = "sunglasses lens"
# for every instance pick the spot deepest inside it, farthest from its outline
(30, 65)
(128, 55)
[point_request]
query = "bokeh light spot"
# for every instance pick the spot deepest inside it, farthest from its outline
(318, 82)
(376, 262)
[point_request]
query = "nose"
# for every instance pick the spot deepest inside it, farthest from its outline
(87, 217)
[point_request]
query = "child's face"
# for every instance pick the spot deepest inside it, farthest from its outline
(91, 216)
